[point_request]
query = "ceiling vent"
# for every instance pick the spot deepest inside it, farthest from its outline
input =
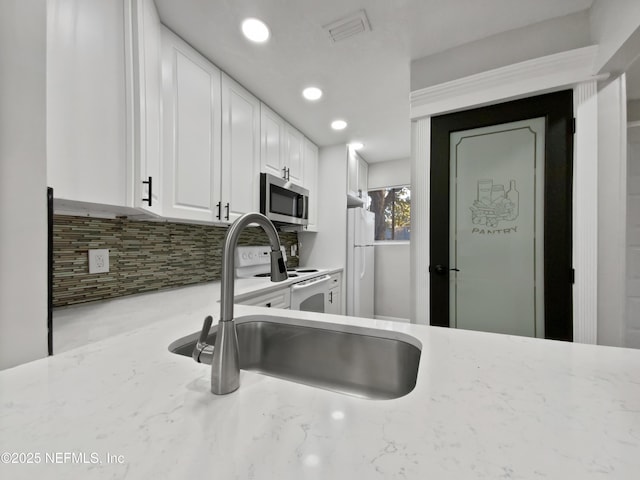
(349, 26)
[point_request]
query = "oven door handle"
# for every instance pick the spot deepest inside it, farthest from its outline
(314, 283)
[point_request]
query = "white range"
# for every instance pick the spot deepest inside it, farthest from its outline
(311, 289)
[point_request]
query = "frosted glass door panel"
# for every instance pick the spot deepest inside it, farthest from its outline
(496, 219)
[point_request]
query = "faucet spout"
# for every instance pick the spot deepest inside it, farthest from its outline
(225, 365)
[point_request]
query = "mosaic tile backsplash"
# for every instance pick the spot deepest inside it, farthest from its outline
(143, 256)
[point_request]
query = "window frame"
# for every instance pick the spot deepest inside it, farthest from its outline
(392, 187)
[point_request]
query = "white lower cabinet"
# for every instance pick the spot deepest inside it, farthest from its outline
(278, 299)
(334, 300)
(191, 117)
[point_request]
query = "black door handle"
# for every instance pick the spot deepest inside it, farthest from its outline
(441, 269)
(149, 198)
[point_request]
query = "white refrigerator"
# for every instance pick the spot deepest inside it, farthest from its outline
(360, 262)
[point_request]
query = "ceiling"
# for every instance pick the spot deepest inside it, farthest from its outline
(365, 78)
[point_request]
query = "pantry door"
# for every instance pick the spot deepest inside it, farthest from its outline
(501, 218)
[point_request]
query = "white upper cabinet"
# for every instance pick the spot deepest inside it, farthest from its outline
(192, 145)
(148, 94)
(357, 179)
(103, 111)
(240, 151)
(272, 142)
(87, 125)
(352, 173)
(294, 155)
(311, 182)
(281, 147)
(363, 179)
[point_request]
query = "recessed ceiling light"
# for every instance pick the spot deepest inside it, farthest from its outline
(312, 93)
(338, 124)
(255, 30)
(356, 145)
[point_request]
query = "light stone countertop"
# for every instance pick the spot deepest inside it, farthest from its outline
(484, 406)
(78, 325)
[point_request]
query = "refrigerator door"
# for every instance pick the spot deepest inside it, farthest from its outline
(365, 227)
(362, 288)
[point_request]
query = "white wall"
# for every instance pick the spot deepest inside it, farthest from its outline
(392, 260)
(612, 201)
(615, 27)
(538, 40)
(23, 199)
(389, 174)
(328, 247)
(632, 332)
(633, 111)
(392, 281)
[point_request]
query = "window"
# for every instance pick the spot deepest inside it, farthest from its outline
(392, 207)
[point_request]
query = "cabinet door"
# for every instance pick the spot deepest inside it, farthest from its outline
(310, 159)
(191, 171)
(334, 299)
(363, 178)
(147, 163)
(240, 151)
(271, 141)
(352, 173)
(87, 92)
(294, 155)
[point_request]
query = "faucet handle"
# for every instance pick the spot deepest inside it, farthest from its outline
(202, 348)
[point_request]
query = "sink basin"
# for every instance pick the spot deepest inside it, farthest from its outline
(364, 362)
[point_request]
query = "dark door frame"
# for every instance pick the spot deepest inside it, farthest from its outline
(557, 108)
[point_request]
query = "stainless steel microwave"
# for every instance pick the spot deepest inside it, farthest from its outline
(282, 201)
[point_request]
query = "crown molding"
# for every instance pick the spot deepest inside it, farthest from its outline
(538, 75)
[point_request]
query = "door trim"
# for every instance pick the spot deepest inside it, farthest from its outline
(585, 233)
(558, 109)
(551, 72)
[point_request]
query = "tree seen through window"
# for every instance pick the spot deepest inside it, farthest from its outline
(392, 207)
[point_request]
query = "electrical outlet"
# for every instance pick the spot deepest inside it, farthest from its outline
(98, 261)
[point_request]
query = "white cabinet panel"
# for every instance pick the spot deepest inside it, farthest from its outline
(148, 89)
(357, 176)
(87, 136)
(281, 147)
(103, 102)
(363, 178)
(334, 299)
(352, 173)
(294, 155)
(240, 150)
(191, 86)
(271, 142)
(310, 158)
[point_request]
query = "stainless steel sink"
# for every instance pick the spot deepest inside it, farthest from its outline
(365, 362)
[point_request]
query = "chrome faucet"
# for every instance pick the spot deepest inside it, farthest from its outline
(224, 358)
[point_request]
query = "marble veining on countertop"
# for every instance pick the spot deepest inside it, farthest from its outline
(485, 406)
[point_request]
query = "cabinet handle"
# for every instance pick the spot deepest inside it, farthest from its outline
(268, 305)
(284, 173)
(219, 206)
(330, 297)
(288, 174)
(150, 183)
(226, 217)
